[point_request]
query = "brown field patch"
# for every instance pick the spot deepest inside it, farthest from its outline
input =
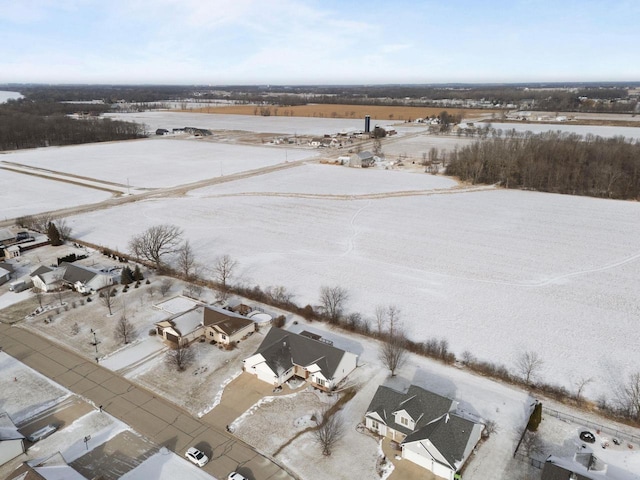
(377, 112)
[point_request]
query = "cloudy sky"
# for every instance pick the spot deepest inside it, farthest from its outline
(318, 42)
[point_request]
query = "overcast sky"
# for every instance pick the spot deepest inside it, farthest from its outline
(318, 42)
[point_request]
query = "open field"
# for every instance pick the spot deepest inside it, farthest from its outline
(599, 130)
(494, 272)
(377, 112)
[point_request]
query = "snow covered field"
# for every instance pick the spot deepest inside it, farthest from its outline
(22, 194)
(495, 272)
(599, 130)
(248, 123)
(154, 162)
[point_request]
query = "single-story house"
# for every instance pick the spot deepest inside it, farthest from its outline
(183, 328)
(226, 327)
(54, 467)
(11, 440)
(362, 160)
(426, 426)
(84, 279)
(46, 279)
(80, 278)
(207, 322)
(583, 466)
(5, 272)
(283, 355)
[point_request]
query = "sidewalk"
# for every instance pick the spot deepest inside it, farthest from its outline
(157, 419)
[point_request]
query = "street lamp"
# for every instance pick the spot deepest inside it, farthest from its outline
(95, 343)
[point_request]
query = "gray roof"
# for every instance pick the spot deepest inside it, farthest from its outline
(7, 266)
(8, 431)
(40, 270)
(450, 434)
(422, 405)
(77, 273)
(366, 155)
(282, 350)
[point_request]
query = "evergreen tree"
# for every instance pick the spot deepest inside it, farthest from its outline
(536, 418)
(54, 234)
(126, 277)
(137, 274)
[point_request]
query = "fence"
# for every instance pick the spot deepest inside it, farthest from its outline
(539, 464)
(628, 437)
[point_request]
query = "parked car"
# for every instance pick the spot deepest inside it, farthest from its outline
(236, 476)
(42, 433)
(197, 457)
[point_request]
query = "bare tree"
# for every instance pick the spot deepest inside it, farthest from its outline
(124, 330)
(107, 297)
(223, 269)
(156, 243)
(532, 444)
(330, 429)
(580, 384)
(393, 318)
(629, 396)
(332, 301)
(381, 318)
(186, 260)
(39, 296)
(393, 352)
(180, 357)
(490, 427)
(165, 286)
(64, 229)
(528, 365)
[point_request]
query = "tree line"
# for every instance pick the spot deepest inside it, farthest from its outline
(27, 124)
(553, 162)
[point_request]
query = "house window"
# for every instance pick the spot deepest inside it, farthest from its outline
(224, 337)
(404, 421)
(375, 425)
(320, 382)
(211, 333)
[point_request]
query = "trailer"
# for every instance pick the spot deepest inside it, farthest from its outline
(20, 285)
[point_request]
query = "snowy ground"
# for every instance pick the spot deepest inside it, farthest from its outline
(495, 272)
(152, 163)
(22, 194)
(599, 130)
(249, 123)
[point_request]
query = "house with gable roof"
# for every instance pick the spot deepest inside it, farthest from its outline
(11, 440)
(426, 426)
(283, 355)
(207, 322)
(80, 278)
(53, 467)
(583, 466)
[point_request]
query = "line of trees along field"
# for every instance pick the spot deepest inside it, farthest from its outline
(27, 124)
(553, 162)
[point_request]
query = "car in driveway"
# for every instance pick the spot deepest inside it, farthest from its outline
(197, 457)
(236, 476)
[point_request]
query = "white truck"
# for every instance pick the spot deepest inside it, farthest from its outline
(20, 285)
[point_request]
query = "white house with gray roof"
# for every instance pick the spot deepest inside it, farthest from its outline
(80, 278)
(11, 440)
(426, 426)
(283, 355)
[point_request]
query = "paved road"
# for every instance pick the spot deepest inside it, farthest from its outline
(159, 420)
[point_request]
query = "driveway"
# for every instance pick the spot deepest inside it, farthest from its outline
(404, 469)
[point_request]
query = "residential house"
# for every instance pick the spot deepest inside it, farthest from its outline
(54, 467)
(6, 269)
(11, 440)
(207, 322)
(426, 426)
(226, 327)
(46, 279)
(84, 279)
(362, 160)
(583, 466)
(183, 328)
(6, 236)
(283, 355)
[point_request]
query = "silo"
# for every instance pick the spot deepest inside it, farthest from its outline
(367, 124)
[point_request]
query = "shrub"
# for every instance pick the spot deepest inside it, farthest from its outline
(152, 332)
(89, 299)
(279, 321)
